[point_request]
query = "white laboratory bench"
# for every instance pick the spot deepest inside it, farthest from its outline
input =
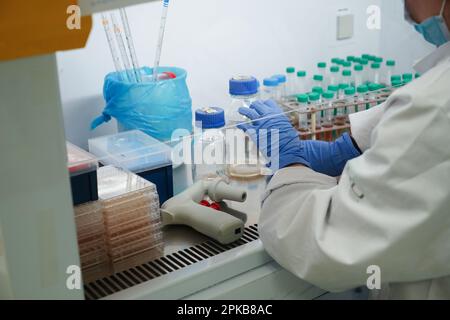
(239, 271)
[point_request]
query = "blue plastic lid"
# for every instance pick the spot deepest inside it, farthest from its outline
(243, 86)
(270, 82)
(209, 118)
(280, 77)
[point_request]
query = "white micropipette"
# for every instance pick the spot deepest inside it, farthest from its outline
(134, 61)
(112, 47)
(160, 39)
(123, 51)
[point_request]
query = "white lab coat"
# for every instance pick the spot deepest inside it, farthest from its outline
(391, 207)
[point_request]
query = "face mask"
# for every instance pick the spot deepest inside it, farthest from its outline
(434, 29)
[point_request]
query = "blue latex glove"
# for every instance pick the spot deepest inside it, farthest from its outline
(325, 157)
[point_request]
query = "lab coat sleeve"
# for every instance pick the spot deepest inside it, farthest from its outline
(390, 208)
(363, 123)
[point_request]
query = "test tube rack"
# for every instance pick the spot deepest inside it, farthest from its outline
(328, 133)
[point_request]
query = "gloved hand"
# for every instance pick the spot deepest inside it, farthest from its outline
(328, 158)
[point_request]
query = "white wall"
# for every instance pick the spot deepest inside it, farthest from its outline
(214, 40)
(398, 39)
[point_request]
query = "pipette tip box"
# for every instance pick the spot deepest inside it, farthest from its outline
(82, 168)
(139, 153)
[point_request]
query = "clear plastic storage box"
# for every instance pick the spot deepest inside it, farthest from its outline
(137, 152)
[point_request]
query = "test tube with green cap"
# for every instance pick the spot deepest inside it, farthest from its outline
(390, 71)
(350, 100)
(318, 81)
(291, 82)
(362, 97)
(407, 76)
(301, 81)
(303, 109)
(347, 77)
(334, 75)
(375, 67)
(358, 75)
(341, 91)
(373, 93)
(328, 97)
(316, 121)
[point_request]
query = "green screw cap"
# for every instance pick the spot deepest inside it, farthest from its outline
(301, 74)
(397, 83)
(333, 88)
(290, 70)
(407, 76)
(417, 75)
(335, 60)
(328, 95)
(365, 56)
(358, 67)
(318, 77)
(322, 65)
(347, 64)
(334, 69)
(318, 90)
(378, 59)
(362, 89)
(373, 86)
(396, 78)
(343, 86)
(314, 96)
(351, 58)
(364, 62)
(302, 98)
(350, 91)
(346, 73)
(390, 63)
(375, 65)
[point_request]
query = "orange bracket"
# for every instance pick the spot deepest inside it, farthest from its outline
(36, 27)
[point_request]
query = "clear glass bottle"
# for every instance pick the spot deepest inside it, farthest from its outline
(322, 70)
(301, 86)
(376, 76)
(318, 81)
(340, 94)
(316, 119)
(243, 158)
(390, 71)
(209, 143)
(347, 77)
(319, 91)
(366, 70)
(350, 100)
(358, 75)
(243, 92)
(328, 98)
(335, 77)
(362, 98)
(282, 93)
(270, 89)
(291, 82)
(303, 108)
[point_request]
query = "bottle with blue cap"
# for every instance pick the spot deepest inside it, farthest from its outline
(270, 89)
(282, 90)
(209, 143)
(243, 160)
(243, 91)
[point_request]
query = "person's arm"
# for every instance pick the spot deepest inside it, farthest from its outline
(390, 209)
(363, 123)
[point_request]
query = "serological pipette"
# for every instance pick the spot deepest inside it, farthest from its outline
(122, 49)
(112, 47)
(131, 49)
(160, 39)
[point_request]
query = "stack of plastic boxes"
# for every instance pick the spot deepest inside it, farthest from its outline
(131, 216)
(91, 241)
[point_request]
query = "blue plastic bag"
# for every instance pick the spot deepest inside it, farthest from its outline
(156, 108)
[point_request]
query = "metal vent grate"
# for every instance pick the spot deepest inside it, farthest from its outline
(164, 265)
